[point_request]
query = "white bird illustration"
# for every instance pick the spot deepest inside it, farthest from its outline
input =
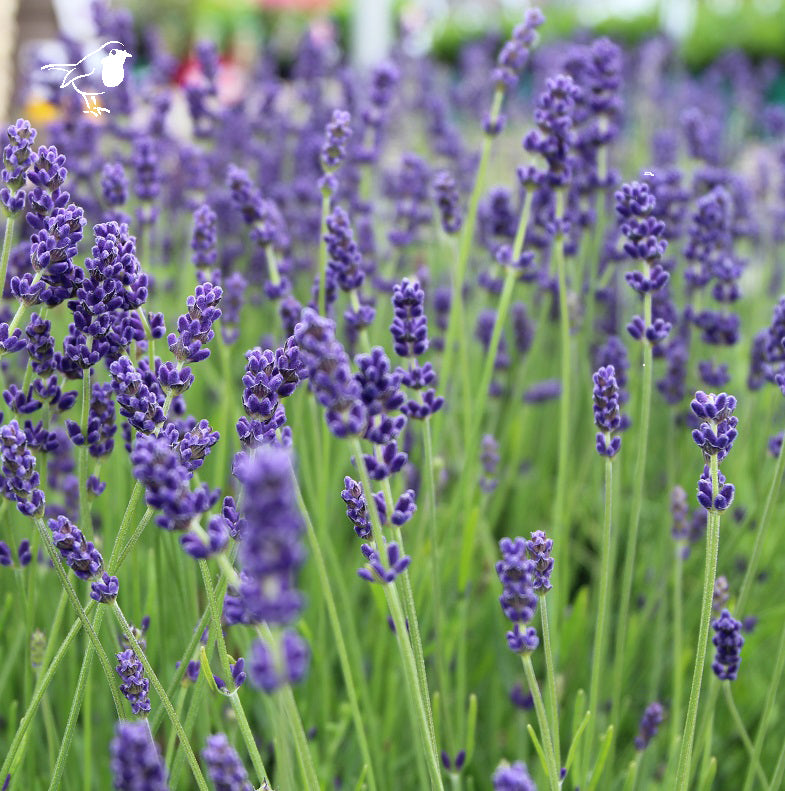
(108, 61)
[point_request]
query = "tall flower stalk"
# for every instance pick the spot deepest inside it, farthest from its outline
(715, 437)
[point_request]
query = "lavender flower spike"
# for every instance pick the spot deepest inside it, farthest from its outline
(518, 600)
(136, 763)
(728, 641)
(224, 766)
(607, 416)
(513, 778)
(650, 722)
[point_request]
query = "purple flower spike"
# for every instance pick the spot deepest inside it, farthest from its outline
(448, 200)
(513, 778)
(135, 686)
(136, 763)
(375, 571)
(554, 136)
(195, 327)
(24, 553)
(539, 550)
(18, 476)
(78, 553)
(271, 551)
(724, 497)
(336, 136)
(105, 590)
(607, 415)
(518, 600)
(410, 325)
(268, 672)
(514, 55)
(650, 722)
(329, 374)
(224, 766)
(728, 641)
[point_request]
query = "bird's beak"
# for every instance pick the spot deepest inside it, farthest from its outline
(125, 54)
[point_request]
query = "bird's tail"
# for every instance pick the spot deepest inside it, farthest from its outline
(58, 66)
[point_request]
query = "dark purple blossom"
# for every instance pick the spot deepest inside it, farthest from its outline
(78, 553)
(383, 572)
(105, 589)
(513, 778)
(514, 55)
(195, 328)
(518, 600)
(224, 766)
(268, 671)
(650, 722)
(136, 763)
(271, 550)
(607, 416)
(329, 374)
(166, 478)
(554, 136)
(539, 548)
(728, 641)
(19, 479)
(448, 200)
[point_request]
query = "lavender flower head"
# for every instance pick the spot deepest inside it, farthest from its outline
(336, 135)
(514, 55)
(136, 763)
(728, 641)
(650, 722)
(539, 549)
(195, 328)
(515, 777)
(18, 157)
(329, 374)
(717, 432)
(518, 600)
(607, 416)
(271, 550)
(18, 476)
(224, 766)
(554, 136)
(135, 685)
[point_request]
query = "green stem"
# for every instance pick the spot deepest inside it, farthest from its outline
(710, 571)
(73, 714)
(325, 588)
(771, 700)
(85, 521)
(6, 254)
(605, 573)
(408, 660)
(440, 651)
(550, 672)
(757, 547)
(542, 719)
(322, 303)
(678, 618)
(161, 692)
(560, 501)
(742, 731)
(635, 519)
(39, 691)
(215, 617)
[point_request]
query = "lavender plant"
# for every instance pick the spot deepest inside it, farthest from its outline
(278, 380)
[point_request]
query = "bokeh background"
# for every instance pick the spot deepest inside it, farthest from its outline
(369, 29)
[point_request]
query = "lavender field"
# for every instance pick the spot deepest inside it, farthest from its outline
(411, 427)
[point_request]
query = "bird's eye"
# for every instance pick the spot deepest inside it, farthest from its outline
(113, 52)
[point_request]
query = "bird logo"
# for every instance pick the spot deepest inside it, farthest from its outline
(104, 66)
